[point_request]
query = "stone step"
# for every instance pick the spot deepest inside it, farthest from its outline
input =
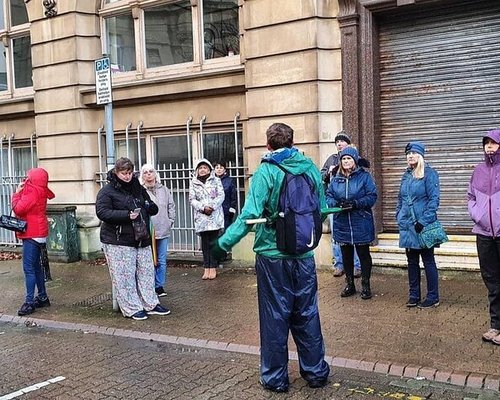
(458, 254)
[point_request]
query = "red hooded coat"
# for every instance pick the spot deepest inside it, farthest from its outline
(30, 204)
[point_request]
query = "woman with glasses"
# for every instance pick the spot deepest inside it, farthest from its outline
(162, 222)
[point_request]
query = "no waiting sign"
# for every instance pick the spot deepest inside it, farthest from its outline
(103, 81)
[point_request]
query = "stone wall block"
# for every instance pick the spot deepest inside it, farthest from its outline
(81, 48)
(60, 75)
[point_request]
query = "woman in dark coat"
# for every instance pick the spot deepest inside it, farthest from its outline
(230, 200)
(120, 203)
(418, 201)
(354, 190)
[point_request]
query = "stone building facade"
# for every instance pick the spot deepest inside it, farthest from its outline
(197, 69)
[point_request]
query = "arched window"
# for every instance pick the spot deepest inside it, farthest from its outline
(151, 37)
(15, 47)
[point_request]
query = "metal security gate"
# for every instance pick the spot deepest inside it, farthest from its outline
(439, 84)
(174, 155)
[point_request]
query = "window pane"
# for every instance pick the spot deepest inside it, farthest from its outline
(133, 154)
(22, 62)
(111, 1)
(18, 13)
(169, 34)
(171, 150)
(121, 43)
(220, 28)
(3, 68)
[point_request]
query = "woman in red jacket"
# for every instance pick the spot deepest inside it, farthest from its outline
(29, 202)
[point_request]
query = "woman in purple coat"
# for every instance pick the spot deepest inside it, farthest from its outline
(484, 210)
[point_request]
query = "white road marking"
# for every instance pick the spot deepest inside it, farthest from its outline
(31, 388)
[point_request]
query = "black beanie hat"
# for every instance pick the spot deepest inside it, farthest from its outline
(342, 135)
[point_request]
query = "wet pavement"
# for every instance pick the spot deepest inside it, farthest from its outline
(442, 345)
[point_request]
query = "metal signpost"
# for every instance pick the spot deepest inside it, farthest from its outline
(104, 96)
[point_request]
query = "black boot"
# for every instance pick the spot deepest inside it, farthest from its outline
(350, 289)
(366, 292)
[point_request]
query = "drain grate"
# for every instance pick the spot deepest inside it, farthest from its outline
(95, 300)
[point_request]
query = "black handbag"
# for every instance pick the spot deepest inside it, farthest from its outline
(13, 223)
(141, 231)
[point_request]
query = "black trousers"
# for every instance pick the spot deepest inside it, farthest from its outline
(207, 238)
(488, 250)
(365, 259)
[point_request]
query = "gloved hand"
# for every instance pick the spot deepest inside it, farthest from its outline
(418, 227)
(218, 252)
(346, 204)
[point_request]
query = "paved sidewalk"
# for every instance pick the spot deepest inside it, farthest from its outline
(381, 335)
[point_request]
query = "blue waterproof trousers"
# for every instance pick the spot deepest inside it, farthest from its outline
(288, 301)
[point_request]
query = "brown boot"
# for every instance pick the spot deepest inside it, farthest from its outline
(206, 274)
(212, 273)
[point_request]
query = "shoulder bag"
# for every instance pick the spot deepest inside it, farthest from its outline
(432, 235)
(13, 223)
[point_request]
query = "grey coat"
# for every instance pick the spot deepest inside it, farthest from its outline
(165, 218)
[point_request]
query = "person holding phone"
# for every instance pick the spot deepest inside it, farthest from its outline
(29, 203)
(130, 260)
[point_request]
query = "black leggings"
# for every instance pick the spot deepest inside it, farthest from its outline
(207, 238)
(365, 259)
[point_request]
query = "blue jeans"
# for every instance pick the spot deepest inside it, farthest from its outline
(337, 254)
(431, 273)
(161, 269)
(33, 274)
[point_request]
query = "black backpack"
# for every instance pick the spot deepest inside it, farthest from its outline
(298, 223)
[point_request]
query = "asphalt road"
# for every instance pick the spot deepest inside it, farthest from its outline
(78, 365)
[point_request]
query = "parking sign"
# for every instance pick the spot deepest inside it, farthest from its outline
(103, 81)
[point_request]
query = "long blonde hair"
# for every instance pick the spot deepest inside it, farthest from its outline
(418, 171)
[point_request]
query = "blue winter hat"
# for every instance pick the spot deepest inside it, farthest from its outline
(415, 147)
(350, 151)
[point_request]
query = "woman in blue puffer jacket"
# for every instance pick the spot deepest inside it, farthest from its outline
(418, 201)
(353, 189)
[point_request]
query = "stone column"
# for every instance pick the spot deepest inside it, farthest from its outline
(65, 42)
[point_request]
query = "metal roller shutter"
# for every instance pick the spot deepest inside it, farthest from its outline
(440, 84)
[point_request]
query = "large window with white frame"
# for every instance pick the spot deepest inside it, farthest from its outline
(157, 36)
(15, 48)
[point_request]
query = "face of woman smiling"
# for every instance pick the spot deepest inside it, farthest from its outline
(203, 170)
(348, 163)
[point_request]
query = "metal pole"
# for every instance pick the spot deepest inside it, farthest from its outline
(237, 164)
(202, 120)
(139, 126)
(110, 136)
(188, 138)
(129, 125)
(33, 135)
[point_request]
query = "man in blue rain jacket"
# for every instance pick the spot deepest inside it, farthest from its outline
(286, 285)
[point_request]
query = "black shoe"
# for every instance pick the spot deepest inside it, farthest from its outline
(350, 289)
(41, 303)
(366, 292)
(428, 304)
(317, 383)
(279, 389)
(160, 292)
(26, 308)
(412, 303)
